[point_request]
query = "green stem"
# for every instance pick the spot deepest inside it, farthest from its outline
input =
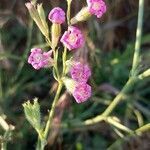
(143, 129)
(144, 74)
(64, 61)
(51, 113)
(55, 53)
(119, 97)
(68, 11)
(94, 120)
(133, 77)
(136, 57)
(114, 103)
(38, 146)
(118, 125)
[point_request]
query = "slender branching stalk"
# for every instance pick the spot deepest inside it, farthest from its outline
(51, 113)
(134, 76)
(41, 144)
(136, 57)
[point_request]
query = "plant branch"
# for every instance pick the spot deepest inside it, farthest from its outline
(136, 57)
(143, 129)
(64, 60)
(144, 74)
(68, 11)
(134, 78)
(51, 113)
(118, 125)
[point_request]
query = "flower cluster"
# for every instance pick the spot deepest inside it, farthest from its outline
(78, 86)
(71, 39)
(80, 73)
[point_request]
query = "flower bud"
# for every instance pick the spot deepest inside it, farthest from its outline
(57, 15)
(82, 15)
(55, 34)
(42, 17)
(36, 17)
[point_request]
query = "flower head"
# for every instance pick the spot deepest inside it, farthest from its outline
(36, 58)
(39, 60)
(82, 92)
(57, 15)
(80, 72)
(73, 38)
(96, 7)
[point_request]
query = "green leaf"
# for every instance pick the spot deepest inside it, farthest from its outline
(32, 113)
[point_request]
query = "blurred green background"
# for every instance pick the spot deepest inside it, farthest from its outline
(109, 51)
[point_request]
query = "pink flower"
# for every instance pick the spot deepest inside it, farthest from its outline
(39, 60)
(57, 15)
(73, 38)
(48, 61)
(80, 72)
(96, 7)
(82, 92)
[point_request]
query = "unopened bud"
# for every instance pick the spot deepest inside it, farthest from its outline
(32, 10)
(35, 16)
(82, 15)
(42, 17)
(56, 32)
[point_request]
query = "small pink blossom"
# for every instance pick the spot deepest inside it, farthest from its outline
(80, 72)
(39, 60)
(73, 38)
(82, 92)
(47, 59)
(57, 15)
(96, 7)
